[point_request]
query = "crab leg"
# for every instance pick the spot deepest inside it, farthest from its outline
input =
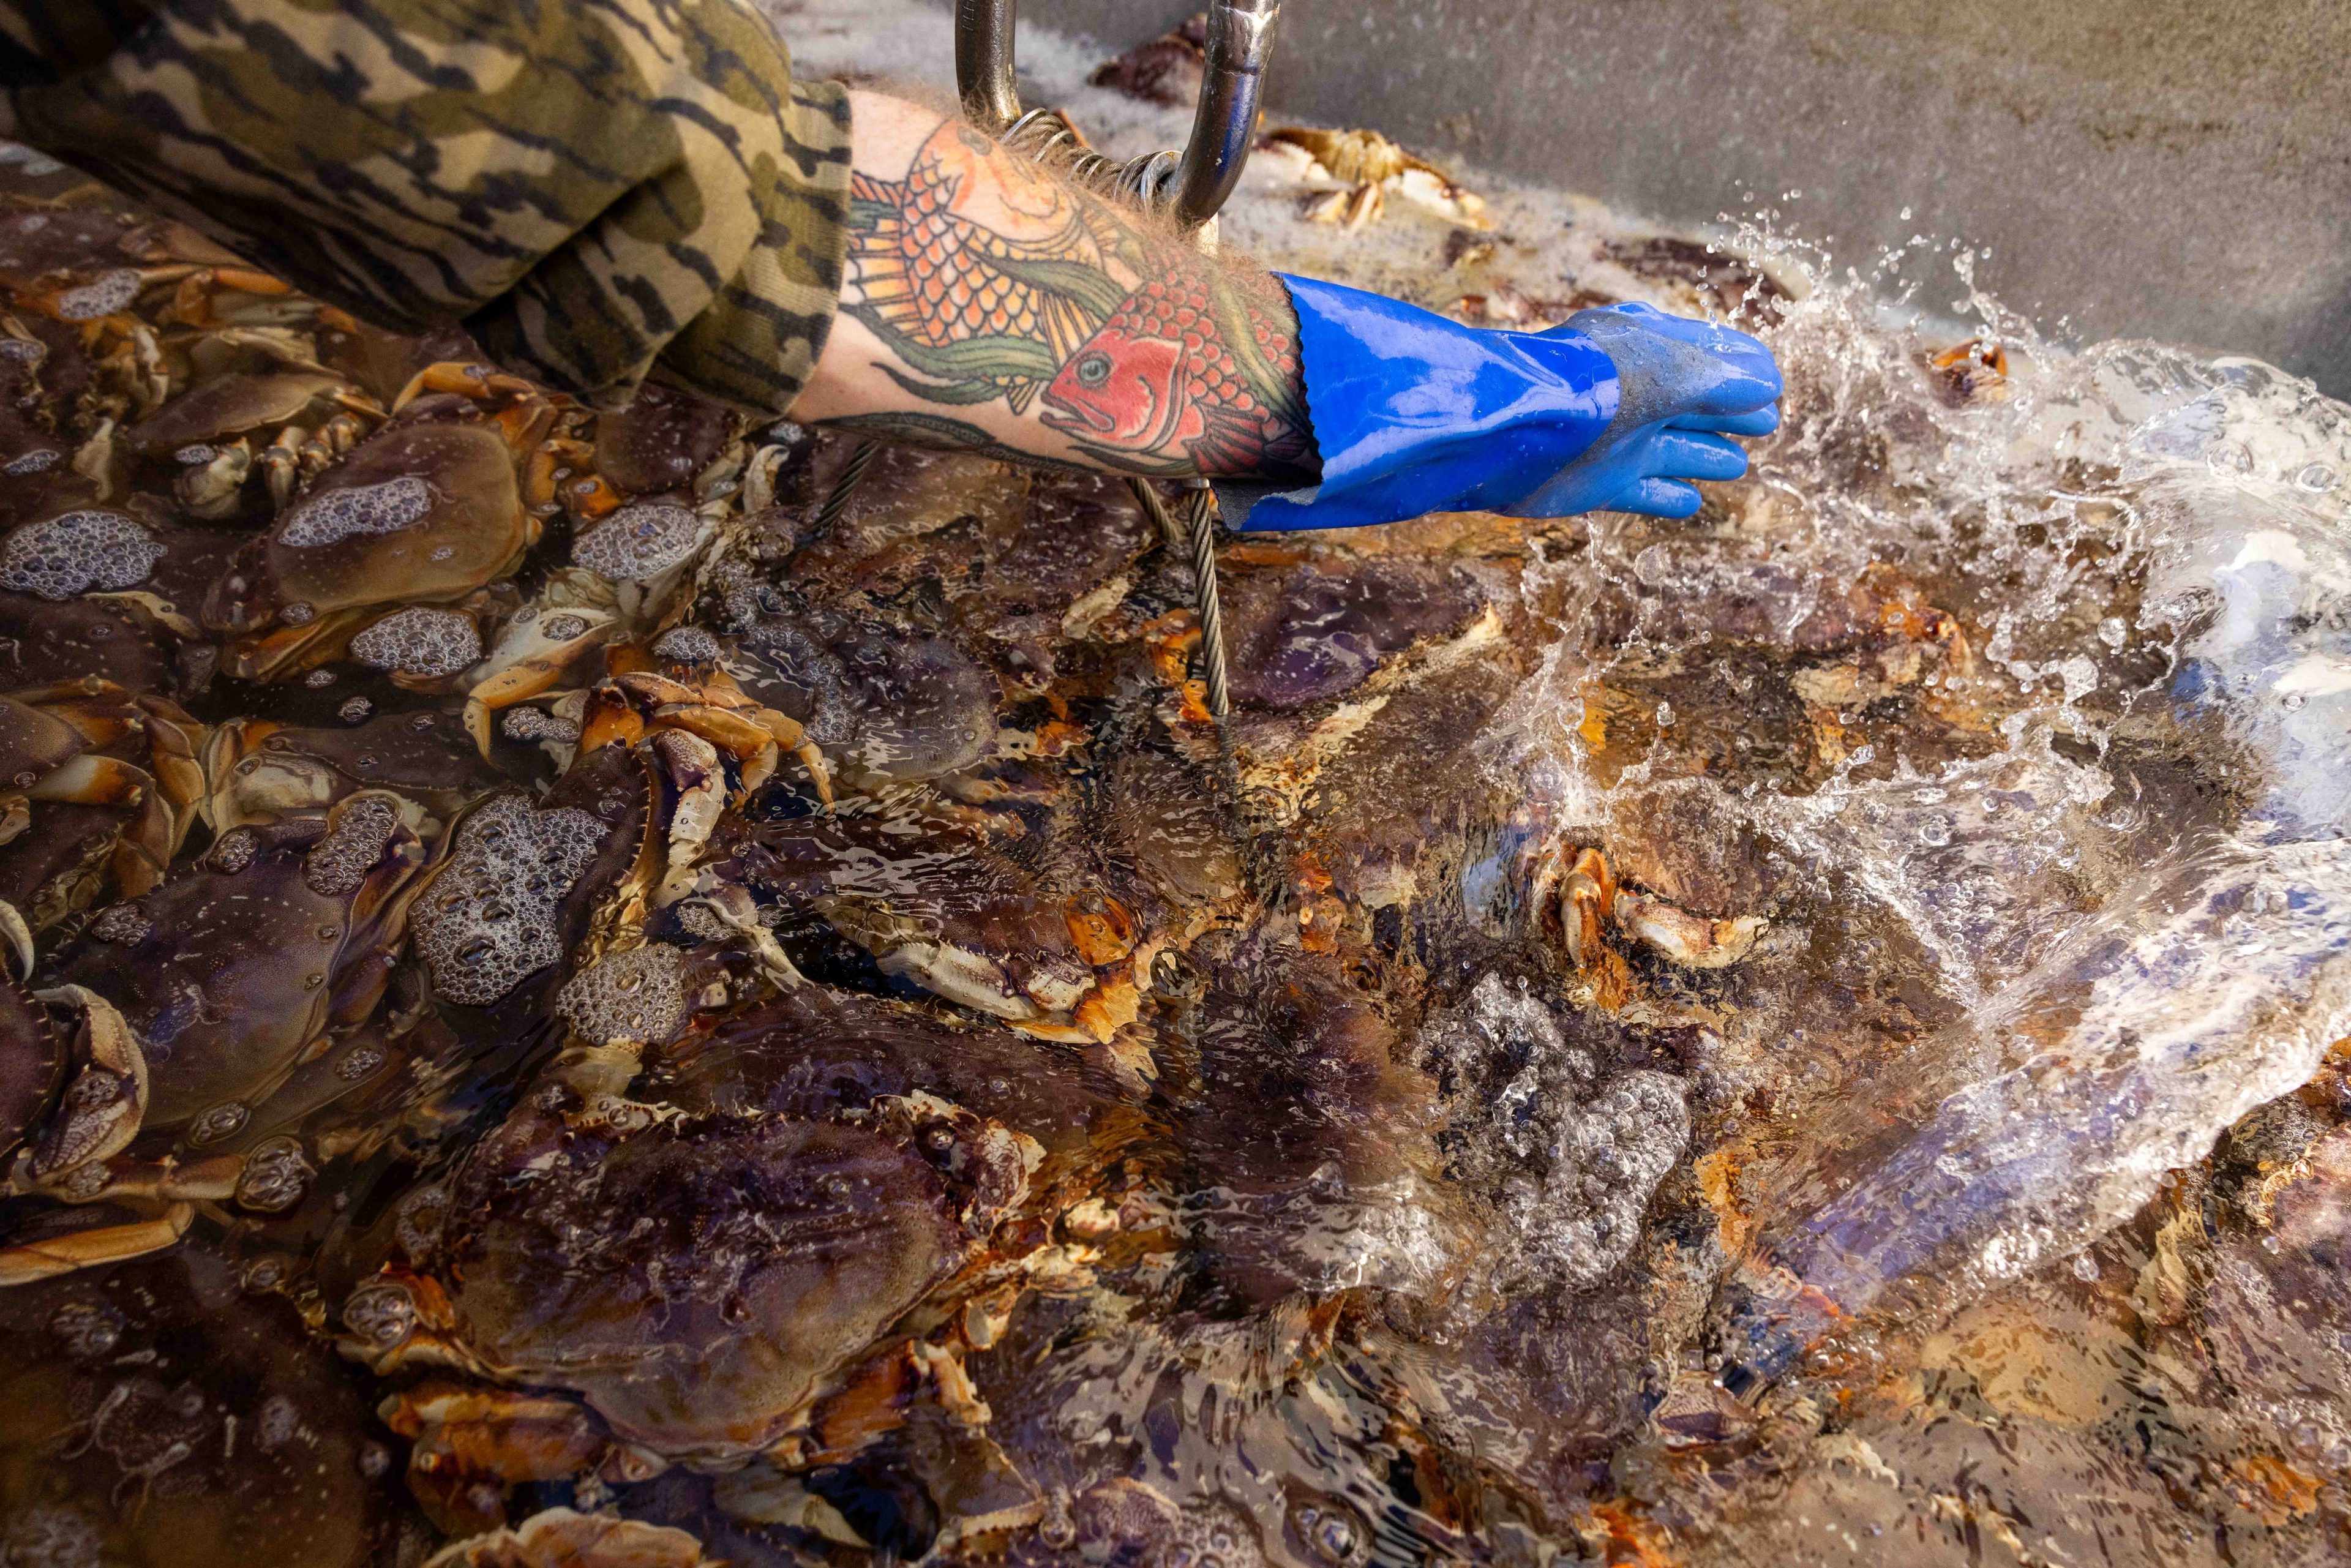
(462, 378)
(753, 747)
(19, 938)
(93, 716)
(730, 909)
(793, 739)
(92, 779)
(27, 1261)
(1693, 941)
(609, 720)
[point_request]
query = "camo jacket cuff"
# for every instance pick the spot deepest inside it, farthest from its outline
(596, 191)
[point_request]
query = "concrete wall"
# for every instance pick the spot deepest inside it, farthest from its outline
(2176, 169)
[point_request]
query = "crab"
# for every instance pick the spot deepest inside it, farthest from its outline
(783, 1230)
(186, 346)
(1365, 166)
(204, 997)
(420, 517)
(713, 707)
(291, 422)
(969, 926)
(1573, 896)
(103, 784)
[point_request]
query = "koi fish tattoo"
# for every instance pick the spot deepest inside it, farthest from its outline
(990, 281)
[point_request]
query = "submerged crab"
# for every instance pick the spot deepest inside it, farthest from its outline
(202, 998)
(154, 1412)
(773, 1231)
(428, 510)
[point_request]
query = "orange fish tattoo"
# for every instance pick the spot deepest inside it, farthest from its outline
(983, 312)
(1178, 381)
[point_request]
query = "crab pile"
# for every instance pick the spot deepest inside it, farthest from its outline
(559, 1011)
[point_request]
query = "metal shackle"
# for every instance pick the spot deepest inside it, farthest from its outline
(1191, 186)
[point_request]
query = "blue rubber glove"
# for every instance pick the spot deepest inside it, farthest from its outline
(1416, 414)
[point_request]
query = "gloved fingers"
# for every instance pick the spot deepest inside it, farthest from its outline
(1686, 455)
(1755, 422)
(1657, 498)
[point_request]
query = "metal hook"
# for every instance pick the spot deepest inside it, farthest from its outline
(1224, 127)
(1191, 185)
(983, 36)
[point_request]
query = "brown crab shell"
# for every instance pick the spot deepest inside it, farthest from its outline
(697, 1286)
(473, 529)
(261, 770)
(235, 966)
(240, 402)
(661, 441)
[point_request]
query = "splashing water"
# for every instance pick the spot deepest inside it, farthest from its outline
(2115, 877)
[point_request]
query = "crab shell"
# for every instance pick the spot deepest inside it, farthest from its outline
(424, 512)
(972, 928)
(235, 969)
(237, 404)
(701, 1282)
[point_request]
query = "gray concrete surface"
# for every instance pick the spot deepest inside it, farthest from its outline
(2174, 169)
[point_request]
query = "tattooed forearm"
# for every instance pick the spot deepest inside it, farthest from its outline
(1056, 324)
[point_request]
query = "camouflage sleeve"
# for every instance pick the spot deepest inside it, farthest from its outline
(594, 188)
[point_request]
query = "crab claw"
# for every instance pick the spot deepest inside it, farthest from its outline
(1587, 895)
(691, 766)
(102, 1107)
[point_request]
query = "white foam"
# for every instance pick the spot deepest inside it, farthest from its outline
(234, 850)
(637, 997)
(103, 296)
(638, 542)
(76, 552)
(358, 832)
(537, 724)
(687, 646)
(124, 922)
(361, 510)
(275, 1177)
(1574, 1158)
(420, 640)
(489, 918)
